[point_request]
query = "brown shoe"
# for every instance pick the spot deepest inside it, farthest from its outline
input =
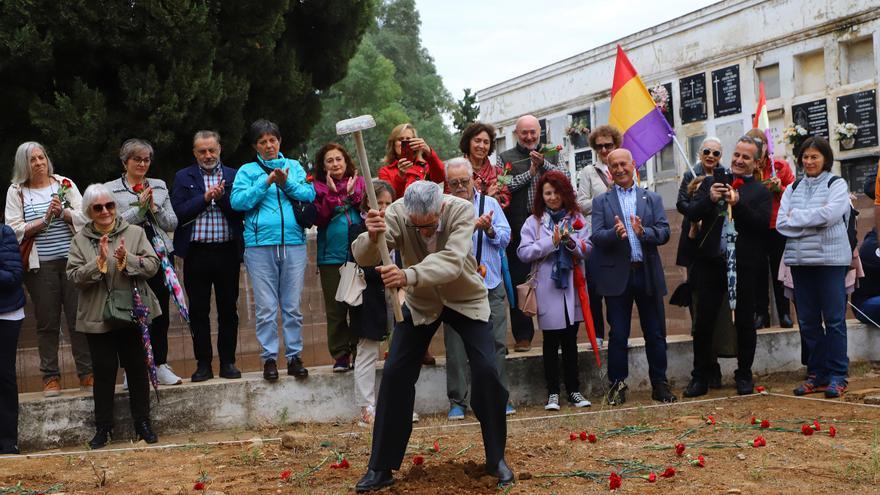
(522, 346)
(51, 387)
(428, 359)
(87, 383)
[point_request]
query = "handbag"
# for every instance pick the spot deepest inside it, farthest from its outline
(27, 245)
(526, 295)
(351, 284)
(118, 309)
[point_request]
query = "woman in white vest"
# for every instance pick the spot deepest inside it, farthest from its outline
(814, 215)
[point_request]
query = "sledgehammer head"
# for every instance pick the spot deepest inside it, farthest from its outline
(355, 124)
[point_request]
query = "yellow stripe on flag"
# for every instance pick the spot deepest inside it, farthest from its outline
(630, 104)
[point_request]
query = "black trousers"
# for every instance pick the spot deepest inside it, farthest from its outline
(109, 350)
(710, 279)
(775, 249)
(522, 326)
(394, 405)
(595, 304)
(9, 330)
(205, 266)
(553, 340)
(159, 325)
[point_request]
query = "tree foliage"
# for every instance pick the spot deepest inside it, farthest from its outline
(466, 110)
(82, 76)
(393, 78)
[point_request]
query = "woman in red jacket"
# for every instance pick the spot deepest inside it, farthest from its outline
(408, 158)
(775, 241)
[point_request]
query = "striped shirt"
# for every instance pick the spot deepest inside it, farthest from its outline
(211, 225)
(628, 207)
(52, 243)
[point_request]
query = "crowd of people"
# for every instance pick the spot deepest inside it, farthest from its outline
(519, 223)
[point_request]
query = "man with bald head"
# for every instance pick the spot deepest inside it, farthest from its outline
(527, 166)
(629, 223)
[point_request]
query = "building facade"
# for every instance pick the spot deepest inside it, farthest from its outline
(818, 60)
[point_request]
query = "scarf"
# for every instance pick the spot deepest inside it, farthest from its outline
(562, 266)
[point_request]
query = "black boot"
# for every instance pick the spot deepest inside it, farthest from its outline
(374, 480)
(502, 472)
(145, 432)
(785, 321)
(102, 437)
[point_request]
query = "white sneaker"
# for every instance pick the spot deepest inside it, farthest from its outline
(166, 375)
(578, 400)
(415, 417)
(552, 403)
(124, 381)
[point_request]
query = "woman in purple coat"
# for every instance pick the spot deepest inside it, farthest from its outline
(554, 238)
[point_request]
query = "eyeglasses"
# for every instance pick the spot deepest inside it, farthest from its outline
(604, 146)
(707, 152)
(431, 226)
(139, 161)
(455, 183)
(98, 208)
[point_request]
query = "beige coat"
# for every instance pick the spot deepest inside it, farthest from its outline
(15, 215)
(589, 185)
(82, 269)
(447, 277)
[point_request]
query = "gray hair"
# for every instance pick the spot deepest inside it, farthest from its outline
(712, 139)
(423, 197)
(132, 146)
(759, 144)
(21, 172)
(206, 135)
(91, 194)
(459, 162)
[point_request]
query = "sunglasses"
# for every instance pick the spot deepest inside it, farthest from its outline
(604, 146)
(98, 208)
(707, 152)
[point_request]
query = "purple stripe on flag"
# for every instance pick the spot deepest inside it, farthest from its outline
(647, 137)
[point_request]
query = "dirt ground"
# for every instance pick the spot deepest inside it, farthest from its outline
(632, 441)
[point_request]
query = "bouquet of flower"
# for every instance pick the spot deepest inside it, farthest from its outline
(660, 96)
(845, 130)
(577, 127)
(794, 134)
(138, 189)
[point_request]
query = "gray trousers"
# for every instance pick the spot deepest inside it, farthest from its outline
(50, 291)
(457, 375)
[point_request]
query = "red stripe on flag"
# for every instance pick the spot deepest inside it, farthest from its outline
(623, 71)
(762, 102)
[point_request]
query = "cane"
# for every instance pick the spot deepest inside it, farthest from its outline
(355, 126)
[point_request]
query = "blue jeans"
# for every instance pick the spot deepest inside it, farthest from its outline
(277, 276)
(820, 294)
(871, 308)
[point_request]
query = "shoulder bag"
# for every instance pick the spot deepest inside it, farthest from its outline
(27, 243)
(351, 280)
(526, 296)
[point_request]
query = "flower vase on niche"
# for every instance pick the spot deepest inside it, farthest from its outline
(848, 143)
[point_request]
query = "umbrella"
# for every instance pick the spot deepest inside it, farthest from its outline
(580, 284)
(730, 237)
(171, 280)
(141, 314)
(508, 283)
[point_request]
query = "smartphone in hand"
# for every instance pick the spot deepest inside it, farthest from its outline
(406, 152)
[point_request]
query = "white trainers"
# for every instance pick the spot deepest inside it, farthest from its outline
(415, 417)
(578, 400)
(552, 403)
(166, 375)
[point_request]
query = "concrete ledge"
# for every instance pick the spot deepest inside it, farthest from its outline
(327, 397)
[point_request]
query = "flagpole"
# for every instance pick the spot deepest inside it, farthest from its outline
(687, 161)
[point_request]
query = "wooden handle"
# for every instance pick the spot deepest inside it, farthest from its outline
(374, 204)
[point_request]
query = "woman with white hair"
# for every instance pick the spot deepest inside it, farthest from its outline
(42, 208)
(145, 202)
(108, 258)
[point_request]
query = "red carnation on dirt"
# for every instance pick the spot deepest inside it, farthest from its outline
(710, 420)
(66, 183)
(614, 481)
(737, 183)
(679, 449)
(138, 188)
(652, 478)
(572, 436)
(285, 474)
(832, 431)
(699, 462)
(816, 426)
(759, 442)
(591, 438)
(199, 486)
(578, 224)
(765, 423)
(760, 389)
(583, 435)
(669, 473)
(418, 460)
(807, 430)
(436, 447)
(754, 420)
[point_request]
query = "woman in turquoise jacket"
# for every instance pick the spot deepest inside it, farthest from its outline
(275, 244)
(338, 193)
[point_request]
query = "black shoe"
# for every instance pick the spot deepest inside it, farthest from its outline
(228, 370)
(374, 480)
(503, 473)
(270, 370)
(744, 386)
(696, 388)
(203, 373)
(295, 368)
(102, 437)
(616, 394)
(662, 392)
(715, 380)
(145, 432)
(785, 321)
(762, 321)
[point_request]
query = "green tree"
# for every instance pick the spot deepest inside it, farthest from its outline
(82, 76)
(466, 110)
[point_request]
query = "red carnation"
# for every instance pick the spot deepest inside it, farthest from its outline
(507, 167)
(436, 445)
(765, 423)
(591, 438)
(679, 449)
(652, 477)
(285, 474)
(66, 183)
(614, 481)
(700, 462)
(816, 426)
(760, 389)
(754, 420)
(578, 224)
(418, 460)
(138, 188)
(832, 431)
(572, 436)
(759, 442)
(310, 178)
(710, 420)
(199, 486)
(669, 473)
(583, 435)
(344, 464)
(806, 430)
(558, 147)
(737, 183)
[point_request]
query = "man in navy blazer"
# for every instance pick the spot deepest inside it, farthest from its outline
(210, 241)
(628, 224)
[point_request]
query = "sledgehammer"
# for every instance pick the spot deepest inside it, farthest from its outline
(355, 126)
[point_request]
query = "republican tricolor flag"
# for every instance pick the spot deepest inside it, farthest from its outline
(762, 122)
(634, 113)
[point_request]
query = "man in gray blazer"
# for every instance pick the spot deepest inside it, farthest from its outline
(628, 224)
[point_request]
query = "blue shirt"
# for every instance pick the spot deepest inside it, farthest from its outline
(628, 206)
(492, 248)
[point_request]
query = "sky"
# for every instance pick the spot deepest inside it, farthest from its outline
(479, 43)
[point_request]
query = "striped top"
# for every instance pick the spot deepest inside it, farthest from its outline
(52, 243)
